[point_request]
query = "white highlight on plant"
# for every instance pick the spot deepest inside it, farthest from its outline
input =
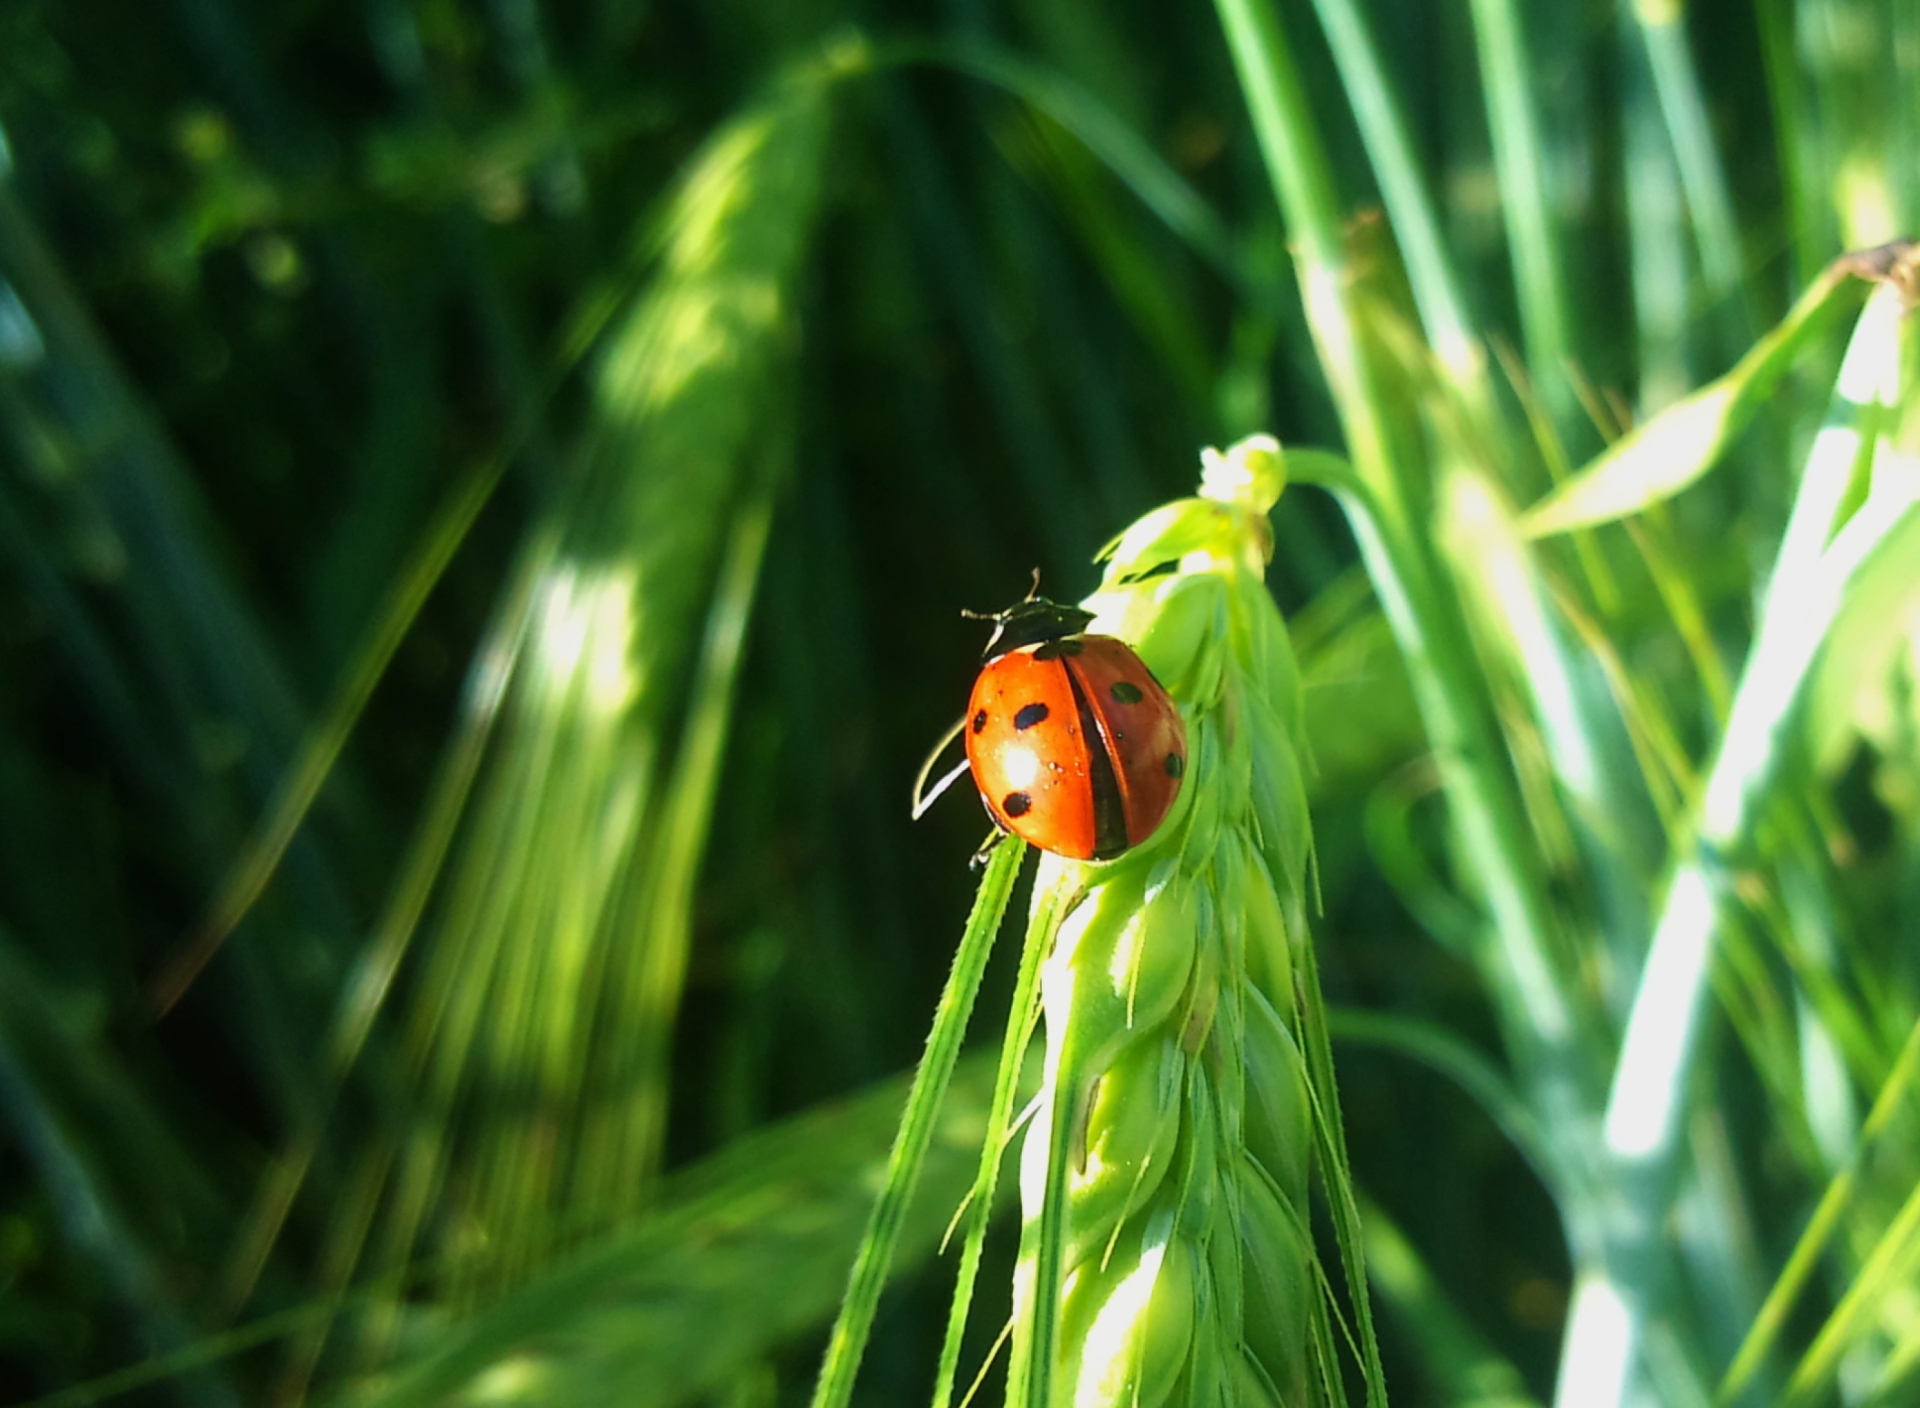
(1514, 591)
(21, 345)
(1110, 1361)
(1600, 1345)
(1644, 1110)
(521, 1379)
(584, 636)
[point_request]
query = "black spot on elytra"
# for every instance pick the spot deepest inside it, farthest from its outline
(980, 721)
(1029, 715)
(1175, 765)
(1054, 649)
(1016, 804)
(1125, 693)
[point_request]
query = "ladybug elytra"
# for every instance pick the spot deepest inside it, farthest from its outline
(1073, 744)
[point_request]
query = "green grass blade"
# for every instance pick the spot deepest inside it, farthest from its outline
(1378, 496)
(1541, 1017)
(1657, 235)
(1302, 181)
(1645, 1106)
(321, 748)
(1895, 1092)
(1102, 131)
(1430, 272)
(1887, 1270)
(1676, 81)
(559, 917)
(1021, 1018)
(1658, 459)
(742, 1253)
(1519, 158)
(370, 982)
(848, 1342)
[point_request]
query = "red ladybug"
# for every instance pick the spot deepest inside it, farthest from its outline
(1072, 742)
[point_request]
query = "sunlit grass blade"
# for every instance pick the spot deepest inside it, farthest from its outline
(1645, 1108)
(1676, 81)
(568, 881)
(1520, 159)
(1430, 272)
(1582, 739)
(370, 982)
(1662, 456)
(1538, 1010)
(1302, 181)
(1887, 1270)
(878, 1243)
(1894, 1094)
(1380, 498)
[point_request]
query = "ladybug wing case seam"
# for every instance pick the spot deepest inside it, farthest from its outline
(1109, 806)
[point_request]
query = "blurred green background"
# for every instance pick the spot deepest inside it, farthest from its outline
(556, 438)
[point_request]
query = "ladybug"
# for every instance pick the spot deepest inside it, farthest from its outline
(1072, 742)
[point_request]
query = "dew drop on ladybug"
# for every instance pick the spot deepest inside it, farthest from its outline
(1073, 744)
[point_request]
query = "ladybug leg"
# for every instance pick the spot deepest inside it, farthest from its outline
(987, 848)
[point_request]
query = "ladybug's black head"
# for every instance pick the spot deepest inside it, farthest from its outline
(1032, 621)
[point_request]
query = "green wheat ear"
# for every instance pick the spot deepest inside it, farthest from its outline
(1187, 1105)
(1187, 1102)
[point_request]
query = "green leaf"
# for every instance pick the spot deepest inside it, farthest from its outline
(1656, 460)
(745, 1251)
(887, 1222)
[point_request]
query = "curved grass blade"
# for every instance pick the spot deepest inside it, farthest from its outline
(848, 1341)
(1138, 166)
(1659, 458)
(1378, 494)
(1608, 1329)
(251, 871)
(586, 812)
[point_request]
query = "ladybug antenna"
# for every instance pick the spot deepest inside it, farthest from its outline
(1033, 594)
(923, 799)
